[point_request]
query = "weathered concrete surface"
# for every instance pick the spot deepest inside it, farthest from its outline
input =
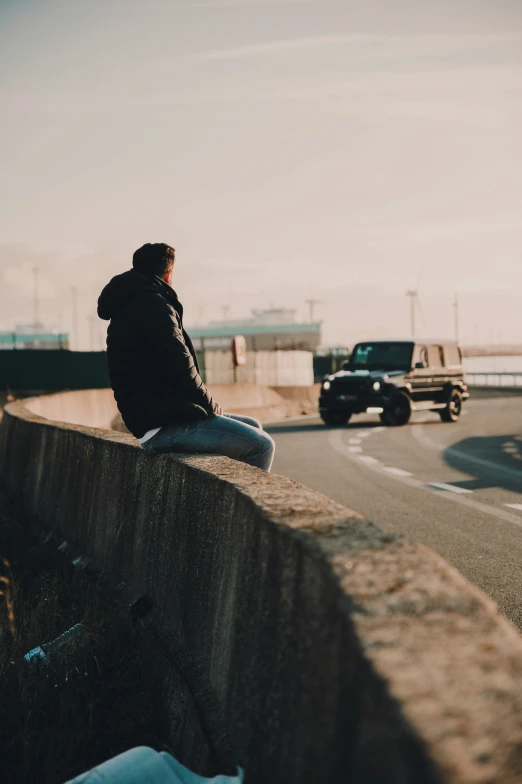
(314, 644)
(253, 400)
(90, 407)
(307, 398)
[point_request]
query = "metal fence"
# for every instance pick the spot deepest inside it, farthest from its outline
(325, 364)
(511, 380)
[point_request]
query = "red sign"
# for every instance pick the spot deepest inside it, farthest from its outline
(239, 352)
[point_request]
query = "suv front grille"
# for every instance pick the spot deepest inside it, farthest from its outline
(350, 387)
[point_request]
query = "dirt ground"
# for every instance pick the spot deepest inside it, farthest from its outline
(84, 705)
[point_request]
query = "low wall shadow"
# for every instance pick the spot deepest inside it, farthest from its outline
(493, 461)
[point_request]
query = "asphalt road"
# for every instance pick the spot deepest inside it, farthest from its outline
(455, 487)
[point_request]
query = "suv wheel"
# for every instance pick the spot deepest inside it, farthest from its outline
(453, 410)
(335, 417)
(399, 411)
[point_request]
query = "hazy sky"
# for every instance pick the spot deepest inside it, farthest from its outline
(343, 150)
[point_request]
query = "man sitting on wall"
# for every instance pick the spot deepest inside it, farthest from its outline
(154, 371)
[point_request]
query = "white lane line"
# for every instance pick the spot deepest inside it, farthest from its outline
(336, 442)
(378, 429)
(515, 506)
(364, 434)
(354, 441)
(396, 471)
(369, 460)
(449, 488)
(355, 450)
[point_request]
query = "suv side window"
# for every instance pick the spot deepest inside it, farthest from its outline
(435, 357)
(453, 357)
(420, 355)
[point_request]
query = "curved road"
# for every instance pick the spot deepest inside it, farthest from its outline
(455, 488)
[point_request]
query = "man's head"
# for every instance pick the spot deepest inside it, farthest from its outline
(155, 260)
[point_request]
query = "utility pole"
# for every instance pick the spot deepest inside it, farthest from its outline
(36, 303)
(412, 294)
(74, 296)
(90, 319)
(456, 307)
(311, 304)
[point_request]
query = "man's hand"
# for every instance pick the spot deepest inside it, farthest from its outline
(219, 410)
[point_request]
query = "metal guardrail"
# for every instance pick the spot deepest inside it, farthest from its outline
(494, 379)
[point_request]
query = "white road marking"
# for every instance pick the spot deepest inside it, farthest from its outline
(354, 441)
(369, 460)
(364, 434)
(396, 471)
(449, 488)
(378, 429)
(515, 506)
(355, 449)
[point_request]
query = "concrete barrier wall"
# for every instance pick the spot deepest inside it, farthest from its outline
(271, 368)
(304, 643)
(97, 407)
(480, 393)
(255, 400)
(90, 407)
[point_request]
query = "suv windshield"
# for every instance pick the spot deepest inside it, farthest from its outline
(381, 356)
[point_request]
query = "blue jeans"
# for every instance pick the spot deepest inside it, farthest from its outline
(239, 437)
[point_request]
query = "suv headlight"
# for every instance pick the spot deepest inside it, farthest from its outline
(326, 386)
(376, 386)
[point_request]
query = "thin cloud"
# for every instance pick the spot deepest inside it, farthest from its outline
(416, 45)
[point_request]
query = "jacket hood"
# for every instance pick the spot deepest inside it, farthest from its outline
(130, 285)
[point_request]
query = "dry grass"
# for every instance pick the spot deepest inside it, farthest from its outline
(88, 703)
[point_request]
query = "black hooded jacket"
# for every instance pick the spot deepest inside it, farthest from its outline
(152, 363)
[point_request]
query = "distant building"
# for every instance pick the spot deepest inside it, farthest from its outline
(33, 336)
(266, 330)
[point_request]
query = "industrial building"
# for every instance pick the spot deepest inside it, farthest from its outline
(33, 336)
(266, 330)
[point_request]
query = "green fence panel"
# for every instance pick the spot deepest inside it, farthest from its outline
(52, 370)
